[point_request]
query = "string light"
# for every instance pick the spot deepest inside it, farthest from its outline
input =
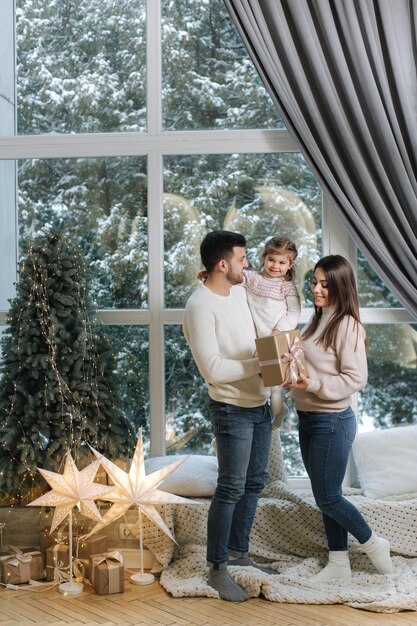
(42, 270)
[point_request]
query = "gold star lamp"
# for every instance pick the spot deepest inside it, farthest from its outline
(136, 489)
(70, 489)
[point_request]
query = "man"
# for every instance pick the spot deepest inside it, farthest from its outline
(219, 329)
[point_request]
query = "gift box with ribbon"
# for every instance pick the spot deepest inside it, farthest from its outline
(57, 562)
(107, 573)
(18, 566)
(97, 544)
(281, 357)
(58, 536)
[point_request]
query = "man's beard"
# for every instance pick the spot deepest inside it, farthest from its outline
(234, 278)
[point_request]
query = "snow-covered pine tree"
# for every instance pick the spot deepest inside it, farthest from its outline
(58, 389)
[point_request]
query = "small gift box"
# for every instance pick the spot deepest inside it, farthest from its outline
(18, 566)
(97, 544)
(58, 536)
(281, 357)
(57, 562)
(107, 573)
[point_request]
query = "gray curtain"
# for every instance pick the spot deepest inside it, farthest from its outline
(343, 76)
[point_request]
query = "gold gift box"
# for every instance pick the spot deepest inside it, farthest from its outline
(281, 357)
(97, 544)
(17, 568)
(107, 573)
(57, 562)
(58, 536)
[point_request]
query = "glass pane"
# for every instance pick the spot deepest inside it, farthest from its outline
(389, 398)
(102, 203)
(293, 462)
(80, 66)
(131, 349)
(372, 291)
(208, 79)
(259, 195)
(187, 427)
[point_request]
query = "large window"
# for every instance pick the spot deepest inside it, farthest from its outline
(140, 125)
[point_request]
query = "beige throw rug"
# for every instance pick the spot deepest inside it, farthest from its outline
(288, 537)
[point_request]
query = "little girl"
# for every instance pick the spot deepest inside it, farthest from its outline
(274, 301)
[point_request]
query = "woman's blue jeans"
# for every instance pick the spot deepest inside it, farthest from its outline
(325, 442)
(243, 439)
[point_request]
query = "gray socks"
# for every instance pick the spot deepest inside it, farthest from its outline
(224, 584)
(338, 566)
(245, 562)
(378, 550)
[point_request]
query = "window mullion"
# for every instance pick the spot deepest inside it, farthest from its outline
(156, 304)
(8, 182)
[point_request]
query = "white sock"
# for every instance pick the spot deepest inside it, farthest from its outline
(338, 566)
(378, 550)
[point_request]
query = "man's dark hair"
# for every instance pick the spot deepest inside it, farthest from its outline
(218, 245)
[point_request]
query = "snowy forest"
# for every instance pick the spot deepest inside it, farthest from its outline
(81, 68)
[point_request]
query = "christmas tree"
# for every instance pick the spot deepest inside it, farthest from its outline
(58, 389)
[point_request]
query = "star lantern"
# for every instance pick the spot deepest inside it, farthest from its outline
(70, 489)
(136, 489)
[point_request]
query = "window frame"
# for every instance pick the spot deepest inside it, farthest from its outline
(154, 144)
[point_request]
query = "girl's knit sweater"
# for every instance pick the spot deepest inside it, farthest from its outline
(336, 373)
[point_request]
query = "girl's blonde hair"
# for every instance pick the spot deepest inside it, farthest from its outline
(282, 245)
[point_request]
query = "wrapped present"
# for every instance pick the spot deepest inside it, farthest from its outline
(107, 573)
(18, 566)
(96, 544)
(58, 536)
(57, 562)
(281, 357)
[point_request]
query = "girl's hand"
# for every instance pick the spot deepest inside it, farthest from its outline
(302, 383)
(202, 275)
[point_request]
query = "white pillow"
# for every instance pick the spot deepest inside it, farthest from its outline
(195, 478)
(386, 461)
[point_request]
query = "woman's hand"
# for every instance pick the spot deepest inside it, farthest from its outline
(302, 383)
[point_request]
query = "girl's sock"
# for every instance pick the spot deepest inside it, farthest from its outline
(338, 566)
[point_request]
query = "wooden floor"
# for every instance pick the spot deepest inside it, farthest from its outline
(151, 605)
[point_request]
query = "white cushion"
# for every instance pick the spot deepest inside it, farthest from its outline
(386, 461)
(195, 478)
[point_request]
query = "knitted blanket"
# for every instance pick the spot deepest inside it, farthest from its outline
(288, 537)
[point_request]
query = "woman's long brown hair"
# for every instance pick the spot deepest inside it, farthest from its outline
(343, 297)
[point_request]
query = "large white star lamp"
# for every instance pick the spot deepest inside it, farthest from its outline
(136, 489)
(70, 489)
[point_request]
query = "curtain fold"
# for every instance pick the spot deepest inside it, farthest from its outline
(343, 76)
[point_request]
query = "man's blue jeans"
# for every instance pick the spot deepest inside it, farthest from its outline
(325, 443)
(243, 439)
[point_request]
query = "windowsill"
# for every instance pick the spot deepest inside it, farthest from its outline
(300, 485)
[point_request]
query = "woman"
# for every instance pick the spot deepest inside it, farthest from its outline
(335, 349)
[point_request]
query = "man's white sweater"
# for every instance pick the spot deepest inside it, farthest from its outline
(221, 336)
(334, 374)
